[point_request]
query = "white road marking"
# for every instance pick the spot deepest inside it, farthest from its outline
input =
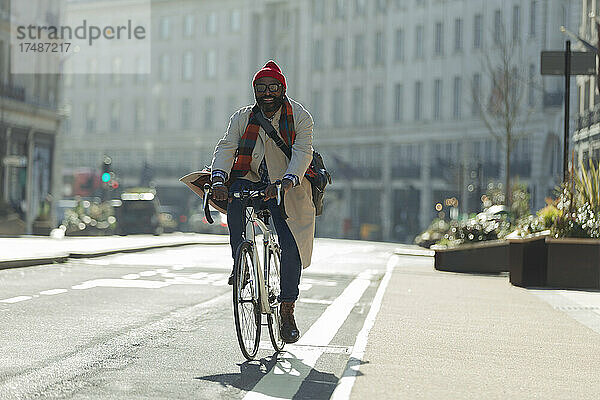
(130, 276)
(297, 365)
(314, 301)
(147, 273)
(120, 283)
(16, 299)
(304, 286)
(344, 387)
(53, 291)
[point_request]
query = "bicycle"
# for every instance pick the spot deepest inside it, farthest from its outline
(255, 294)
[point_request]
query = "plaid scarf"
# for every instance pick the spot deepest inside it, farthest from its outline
(244, 152)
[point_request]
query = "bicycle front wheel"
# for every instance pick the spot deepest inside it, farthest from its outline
(246, 302)
(273, 288)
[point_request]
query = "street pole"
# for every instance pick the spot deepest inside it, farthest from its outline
(567, 100)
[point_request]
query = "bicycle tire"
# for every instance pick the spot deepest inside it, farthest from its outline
(273, 288)
(246, 308)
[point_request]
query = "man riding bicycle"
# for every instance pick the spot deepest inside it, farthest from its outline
(251, 159)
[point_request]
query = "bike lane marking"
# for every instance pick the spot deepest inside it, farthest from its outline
(346, 382)
(293, 367)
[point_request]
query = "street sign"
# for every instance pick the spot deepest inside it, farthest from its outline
(582, 63)
(15, 161)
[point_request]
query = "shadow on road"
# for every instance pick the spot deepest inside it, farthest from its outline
(286, 369)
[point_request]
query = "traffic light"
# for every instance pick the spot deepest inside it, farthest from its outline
(106, 169)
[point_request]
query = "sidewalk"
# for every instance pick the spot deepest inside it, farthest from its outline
(35, 250)
(446, 335)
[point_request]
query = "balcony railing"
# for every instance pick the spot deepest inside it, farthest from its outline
(12, 92)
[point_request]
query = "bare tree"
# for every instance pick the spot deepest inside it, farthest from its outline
(502, 107)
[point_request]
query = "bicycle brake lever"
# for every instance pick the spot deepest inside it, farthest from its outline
(207, 190)
(278, 186)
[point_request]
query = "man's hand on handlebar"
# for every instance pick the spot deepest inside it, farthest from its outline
(219, 191)
(271, 190)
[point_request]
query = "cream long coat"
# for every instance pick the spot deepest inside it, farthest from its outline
(298, 200)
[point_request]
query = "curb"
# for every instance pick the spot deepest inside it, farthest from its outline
(30, 262)
(415, 252)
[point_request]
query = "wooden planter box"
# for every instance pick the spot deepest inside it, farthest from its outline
(489, 257)
(573, 263)
(555, 263)
(528, 262)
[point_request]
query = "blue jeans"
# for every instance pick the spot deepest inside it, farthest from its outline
(291, 266)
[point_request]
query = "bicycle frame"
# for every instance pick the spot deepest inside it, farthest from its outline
(250, 235)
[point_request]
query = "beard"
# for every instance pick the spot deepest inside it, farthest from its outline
(270, 107)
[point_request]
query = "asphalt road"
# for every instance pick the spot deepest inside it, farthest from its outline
(159, 324)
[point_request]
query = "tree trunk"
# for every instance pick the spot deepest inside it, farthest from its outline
(507, 189)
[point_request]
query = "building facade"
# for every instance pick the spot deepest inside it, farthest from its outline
(29, 125)
(586, 138)
(390, 85)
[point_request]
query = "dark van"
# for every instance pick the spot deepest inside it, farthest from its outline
(139, 213)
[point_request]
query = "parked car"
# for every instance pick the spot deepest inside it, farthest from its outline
(139, 213)
(199, 224)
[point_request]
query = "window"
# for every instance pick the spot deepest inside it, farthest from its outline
(381, 6)
(140, 68)
(516, 23)
(419, 42)
(317, 105)
(437, 99)
(188, 26)
(115, 116)
(318, 10)
(162, 114)
(337, 106)
(418, 100)
(439, 39)
(211, 64)
(475, 106)
(91, 76)
(359, 50)
(139, 116)
(164, 68)
(379, 49)
(211, 23)
(378, 110)
(530, 86)
(458, 34)
(498, 31)
(360, 7)
(164, 28)
(186, 114)
(90, 117)
(340, 9)
(339, 53)
(235, 20)
(532, 17)
(233, 62)
(457, 98)
(477, 30)
(209, 112)
(357, 106)
(399, 45)
(318, 55)
(398, 102)
(188, 66)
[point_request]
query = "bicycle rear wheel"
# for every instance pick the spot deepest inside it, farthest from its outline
(246, 302)
(273, 288)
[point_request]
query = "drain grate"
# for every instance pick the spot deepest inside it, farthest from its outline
(576, 308)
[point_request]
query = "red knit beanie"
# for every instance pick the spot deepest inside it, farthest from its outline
(271, 70)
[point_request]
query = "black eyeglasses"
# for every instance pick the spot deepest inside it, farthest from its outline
(261, 87)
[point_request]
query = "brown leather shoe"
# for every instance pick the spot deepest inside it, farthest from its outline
(289, 330)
